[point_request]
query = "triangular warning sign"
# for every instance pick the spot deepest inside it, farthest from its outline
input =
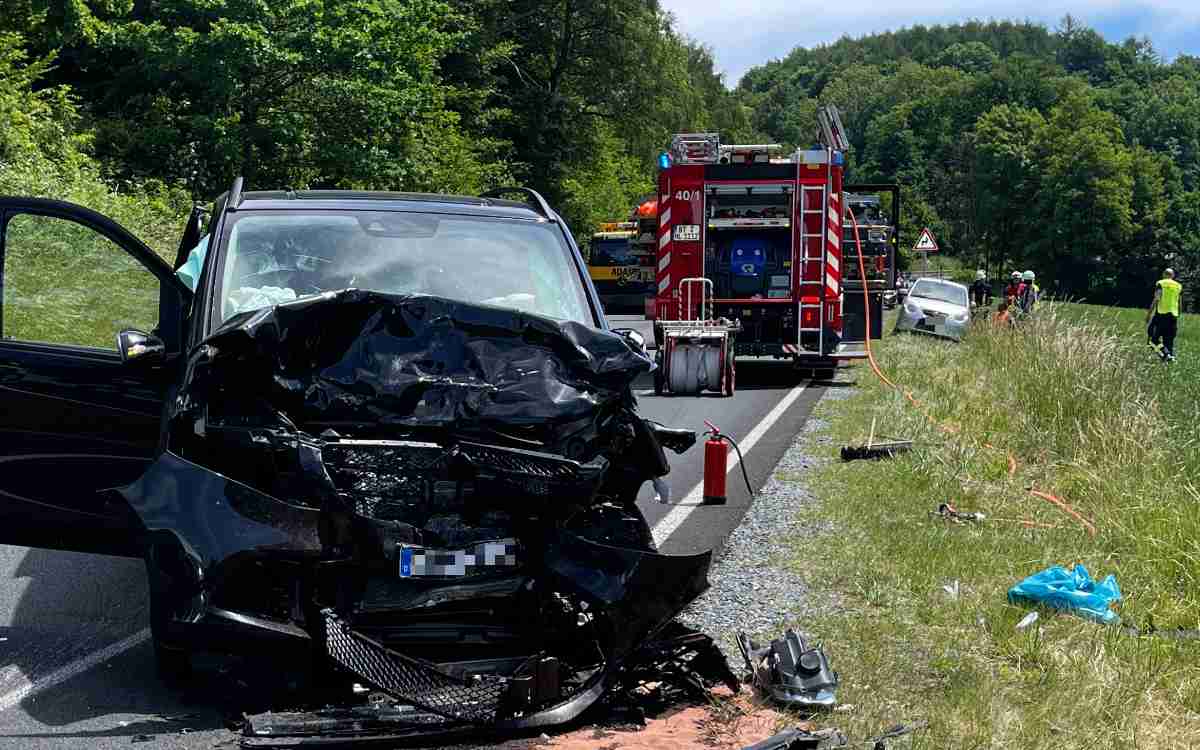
(926, 243)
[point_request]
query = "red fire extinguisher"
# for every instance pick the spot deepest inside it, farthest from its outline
(716, 457)
(716, 465)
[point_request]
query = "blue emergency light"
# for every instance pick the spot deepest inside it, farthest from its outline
(664, 160)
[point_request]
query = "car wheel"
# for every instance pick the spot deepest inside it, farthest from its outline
(172, 662)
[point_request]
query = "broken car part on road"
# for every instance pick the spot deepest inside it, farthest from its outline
(438, 498)
(790, 671)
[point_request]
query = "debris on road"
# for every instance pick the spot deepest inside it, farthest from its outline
(1027, 620)
(801, 739)
(1070, 590)
(790, 671)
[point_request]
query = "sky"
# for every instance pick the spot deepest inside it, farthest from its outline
(745, 34)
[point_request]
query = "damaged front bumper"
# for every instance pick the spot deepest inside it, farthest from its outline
(434, 500)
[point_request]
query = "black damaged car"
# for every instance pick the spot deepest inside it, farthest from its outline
(389, 434)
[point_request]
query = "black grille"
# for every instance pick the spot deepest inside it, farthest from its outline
(475, 699)
(387, 479)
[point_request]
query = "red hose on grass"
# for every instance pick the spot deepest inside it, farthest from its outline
(949, 429)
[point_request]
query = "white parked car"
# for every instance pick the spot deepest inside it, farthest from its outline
(936, 307)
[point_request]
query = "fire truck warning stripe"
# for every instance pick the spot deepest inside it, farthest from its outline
(664, 239)
(664, 261)
(832, 283)
(833, 263)
(665, 219)
(833, 199)
(663, 284)
(832, 236)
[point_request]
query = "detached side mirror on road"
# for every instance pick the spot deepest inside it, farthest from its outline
(140, 347)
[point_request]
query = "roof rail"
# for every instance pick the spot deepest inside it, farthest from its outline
(235, 193)
(538, 201)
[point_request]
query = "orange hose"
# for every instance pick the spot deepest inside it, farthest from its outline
(1012, 462)
(1066, 509)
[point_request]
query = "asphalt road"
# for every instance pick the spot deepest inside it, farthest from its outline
(76, 669)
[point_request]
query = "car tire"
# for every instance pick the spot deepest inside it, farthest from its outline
(172, 662)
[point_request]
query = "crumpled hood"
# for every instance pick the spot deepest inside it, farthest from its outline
(419, 361)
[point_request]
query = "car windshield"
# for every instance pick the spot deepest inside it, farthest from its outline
(280, 256)
(610, 252)
(940, 291)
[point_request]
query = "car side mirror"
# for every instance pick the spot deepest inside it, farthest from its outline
(632, 336)
(141, 347)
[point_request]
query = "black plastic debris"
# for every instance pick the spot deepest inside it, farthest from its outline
(790, 671)
(899, 730)
(875, 451)
(950, 513)
(677, 666)
(799, 739)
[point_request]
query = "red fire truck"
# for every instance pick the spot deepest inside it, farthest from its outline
(750, 260)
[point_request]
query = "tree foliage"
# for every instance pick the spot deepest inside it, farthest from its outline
(1021, 147)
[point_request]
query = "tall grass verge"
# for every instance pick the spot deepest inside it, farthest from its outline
(1088, 415)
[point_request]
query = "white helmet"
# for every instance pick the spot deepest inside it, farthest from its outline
(1028, 276)
(980, 275)
(1016, 275)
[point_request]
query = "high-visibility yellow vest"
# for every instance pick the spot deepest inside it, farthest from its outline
(1168, 300)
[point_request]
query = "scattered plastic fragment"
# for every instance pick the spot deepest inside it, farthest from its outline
(790, 671)
(899, 730)
(875, 450)
(1027, 620)
(801, 739)
(950, 513)
(952, 589)
(1072, 590)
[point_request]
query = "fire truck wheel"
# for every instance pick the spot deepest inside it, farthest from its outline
(659, 382)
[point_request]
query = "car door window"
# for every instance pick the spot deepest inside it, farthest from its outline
(64, 283)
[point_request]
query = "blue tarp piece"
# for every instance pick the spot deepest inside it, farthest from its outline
(748, 257)
(1072, 590)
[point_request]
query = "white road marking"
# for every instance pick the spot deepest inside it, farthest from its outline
(668, 524)
(75, 668)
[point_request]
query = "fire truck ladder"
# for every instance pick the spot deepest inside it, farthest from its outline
(812, 244)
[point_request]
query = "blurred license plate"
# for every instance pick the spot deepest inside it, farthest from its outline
(484, 557)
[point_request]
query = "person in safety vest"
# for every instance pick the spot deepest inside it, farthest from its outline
(1027, 297)
(1163, 317)
(981, 291)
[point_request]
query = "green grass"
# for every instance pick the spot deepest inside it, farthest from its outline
(1089, 416)
(66, 284)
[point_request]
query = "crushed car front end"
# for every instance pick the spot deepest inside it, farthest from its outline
(435, 498)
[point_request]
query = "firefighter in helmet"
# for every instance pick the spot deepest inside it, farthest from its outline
(1013, 288)
(981, 290)
(1028, 293)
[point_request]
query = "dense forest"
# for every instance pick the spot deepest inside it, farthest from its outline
(138, 107)
(1017, 144)
(1021, 147)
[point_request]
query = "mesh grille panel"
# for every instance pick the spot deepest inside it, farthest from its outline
(410, 680)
